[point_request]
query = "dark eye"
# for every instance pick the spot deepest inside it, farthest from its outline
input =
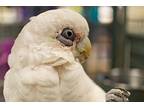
(68, 34)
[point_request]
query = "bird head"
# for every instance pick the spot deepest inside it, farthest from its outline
(61, 33)
(64, 28)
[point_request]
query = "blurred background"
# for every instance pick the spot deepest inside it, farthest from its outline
(117, 36)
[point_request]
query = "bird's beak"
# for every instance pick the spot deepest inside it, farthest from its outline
(84, 49)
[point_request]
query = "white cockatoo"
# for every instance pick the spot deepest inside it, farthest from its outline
(45, 61)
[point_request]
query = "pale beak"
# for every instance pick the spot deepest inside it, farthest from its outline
(84, 49)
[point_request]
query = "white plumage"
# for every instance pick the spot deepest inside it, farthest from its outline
(42, 68)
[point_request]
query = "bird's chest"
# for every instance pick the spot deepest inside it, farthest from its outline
(45, 83)
(70, 77)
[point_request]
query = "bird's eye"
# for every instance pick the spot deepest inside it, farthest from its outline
(68, 34)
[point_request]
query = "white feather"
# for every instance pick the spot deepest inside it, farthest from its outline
(41, 69)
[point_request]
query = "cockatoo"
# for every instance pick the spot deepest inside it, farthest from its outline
(45, 61)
